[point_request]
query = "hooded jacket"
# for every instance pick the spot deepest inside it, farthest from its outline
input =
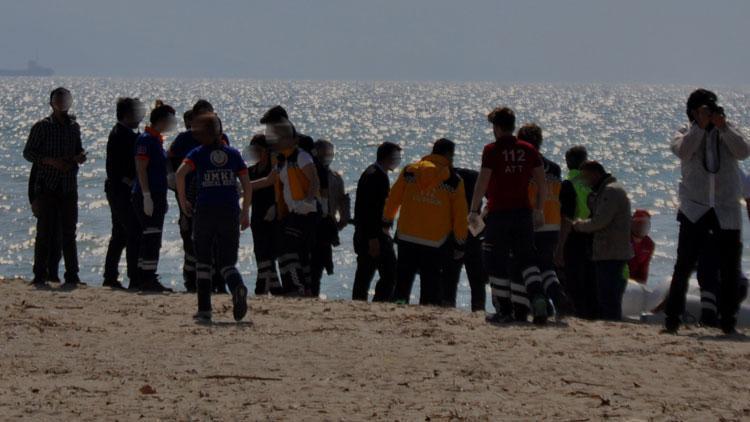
(432, 200)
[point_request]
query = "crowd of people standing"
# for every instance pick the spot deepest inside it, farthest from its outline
(547, 246)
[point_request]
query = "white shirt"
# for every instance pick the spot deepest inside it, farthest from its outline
(304, 206)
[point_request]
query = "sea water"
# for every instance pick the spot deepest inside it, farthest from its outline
(626, 127)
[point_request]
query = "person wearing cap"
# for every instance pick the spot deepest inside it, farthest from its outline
(710, 215)
(297, 195)
(643, 246)
(335, 214)
(149, 197)
(374, 248)
(54, 147)
(432, 202)
(216, 212)
(610, 226)
(183, 143)
(118, 186)
(508, 167)
(263, 218)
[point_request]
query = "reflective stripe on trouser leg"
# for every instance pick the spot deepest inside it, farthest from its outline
(291, 271)
(203, 285)
(708, 301)
(548, 279)
(532, 280)
(500, 294)
(518, 294)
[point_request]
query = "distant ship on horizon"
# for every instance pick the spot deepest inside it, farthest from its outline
(32, 69)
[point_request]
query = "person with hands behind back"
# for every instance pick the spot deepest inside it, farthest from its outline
(217, 216)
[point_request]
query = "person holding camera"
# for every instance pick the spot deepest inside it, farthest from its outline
(710, 214)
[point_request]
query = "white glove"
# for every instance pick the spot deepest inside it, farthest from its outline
(171, 181)
(270, 214)
(148, 204)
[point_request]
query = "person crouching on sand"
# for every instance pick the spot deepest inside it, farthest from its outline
(217, 217)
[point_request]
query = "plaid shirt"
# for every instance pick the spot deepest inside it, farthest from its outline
(52, 139)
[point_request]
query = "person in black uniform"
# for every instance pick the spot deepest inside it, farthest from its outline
(118, 186)
(263, 218)
(373, 247)
(472, 259)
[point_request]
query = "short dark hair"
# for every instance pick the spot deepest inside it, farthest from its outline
(323, 143)
(531, 133)
(126, 106)
(259, 140)
(202, 106)
(187, 116)
(160, 112)
(699, 98)
(576, 156)
(386, 149)
(444, 147)
(275, 114)
(594, 167)
(503, 117)
(58, 91)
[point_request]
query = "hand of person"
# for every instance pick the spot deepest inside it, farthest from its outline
(171, 181)
(538, 218)
(719, 120)
(703, 117)
(35, 208)
(474, 219)
(148, 204)
(559, 259)
(374, 248)
(187, 207)
(270, 214)
(80, 158)
(245, 220)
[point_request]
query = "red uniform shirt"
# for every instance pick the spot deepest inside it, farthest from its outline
(512, 163)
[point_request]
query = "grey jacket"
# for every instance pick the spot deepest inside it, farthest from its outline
(701, 190)
(609, 222)
(336, 202)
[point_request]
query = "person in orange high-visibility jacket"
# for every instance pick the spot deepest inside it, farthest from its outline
(546, 235)
(431, 198)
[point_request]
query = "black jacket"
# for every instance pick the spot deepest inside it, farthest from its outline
(372, 191)
(120, 162)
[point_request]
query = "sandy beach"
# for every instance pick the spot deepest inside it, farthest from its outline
(96, 354)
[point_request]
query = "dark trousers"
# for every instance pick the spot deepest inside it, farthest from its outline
(189, 260)
(425, 260)
(706, 236)
(580, 277)
(511, 233)
(610, 286)
(55, 247)
(125, 236)
(57, 216)
(475, 272)
(321, 259)
(264, 249)
(151, 228)
(298, 234)
(216, 240)
(384, 264)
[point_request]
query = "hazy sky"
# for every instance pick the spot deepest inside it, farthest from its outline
(660, 41)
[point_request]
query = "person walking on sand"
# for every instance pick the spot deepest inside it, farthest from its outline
(709, 149)
(216, 213)
(610, 226)
(432, 202)
(118, 186)
(373, 248)
(54, 147)
(508, 166)
(149, 196)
